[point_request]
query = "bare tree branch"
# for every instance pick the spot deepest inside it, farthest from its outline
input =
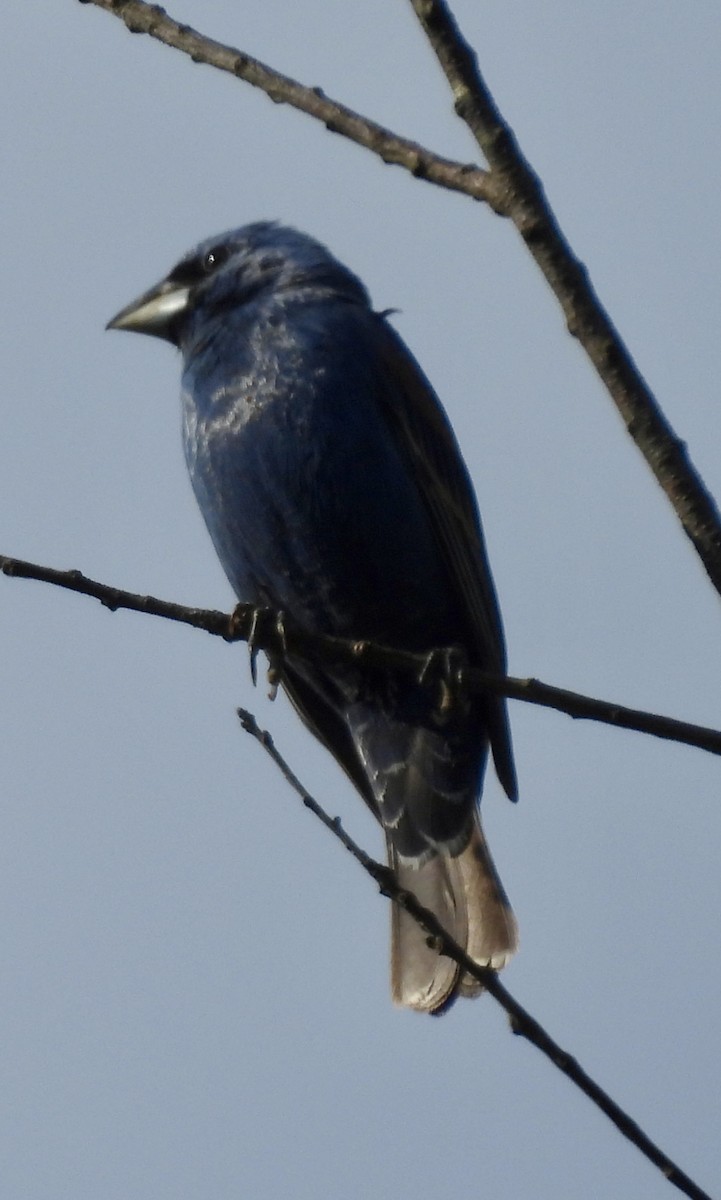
(513, 190)
(587, 319)
(521, 1021)
(140, 17)
(278, 635)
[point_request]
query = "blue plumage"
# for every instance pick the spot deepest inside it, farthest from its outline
(333, 488)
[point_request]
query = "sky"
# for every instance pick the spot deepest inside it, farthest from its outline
(194, 997)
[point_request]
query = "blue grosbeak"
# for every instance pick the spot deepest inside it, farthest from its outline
(333, 488)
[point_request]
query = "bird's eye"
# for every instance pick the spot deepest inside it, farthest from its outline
(197, 267)
(214, 259)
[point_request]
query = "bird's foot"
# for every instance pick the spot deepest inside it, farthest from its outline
(267, 632)
(443, 672)
(278, 657)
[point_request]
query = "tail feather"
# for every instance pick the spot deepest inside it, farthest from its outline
(466, 895)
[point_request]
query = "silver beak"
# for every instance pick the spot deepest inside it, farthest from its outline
(154, 312)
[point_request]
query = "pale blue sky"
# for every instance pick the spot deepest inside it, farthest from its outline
(194, 997)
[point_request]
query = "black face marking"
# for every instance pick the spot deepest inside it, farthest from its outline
(213, 259)
(192, 270)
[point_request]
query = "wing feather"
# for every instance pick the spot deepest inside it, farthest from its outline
(426, 439)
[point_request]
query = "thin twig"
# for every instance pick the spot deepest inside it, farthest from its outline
(277, 635)
(521, 1021)
(139, 17)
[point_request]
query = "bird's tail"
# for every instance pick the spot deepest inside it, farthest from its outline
(467, 896)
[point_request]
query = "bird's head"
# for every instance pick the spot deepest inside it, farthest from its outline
(227, 271)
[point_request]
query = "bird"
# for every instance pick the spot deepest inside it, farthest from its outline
(334, 490)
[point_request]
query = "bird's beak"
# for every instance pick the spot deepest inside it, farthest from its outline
(155, 312)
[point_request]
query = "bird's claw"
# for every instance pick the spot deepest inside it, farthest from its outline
(275, 664)
(259, 618)
(443, 669)
(267, 625)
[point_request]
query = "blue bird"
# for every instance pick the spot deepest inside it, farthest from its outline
(333, 488)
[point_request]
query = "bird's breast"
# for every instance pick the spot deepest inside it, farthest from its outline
(312, 506)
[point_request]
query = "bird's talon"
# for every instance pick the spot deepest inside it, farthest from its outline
(258, 618)
(443, 669)
(281, 634)
(275, 676)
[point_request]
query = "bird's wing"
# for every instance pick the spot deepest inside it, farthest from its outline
(427, 442)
